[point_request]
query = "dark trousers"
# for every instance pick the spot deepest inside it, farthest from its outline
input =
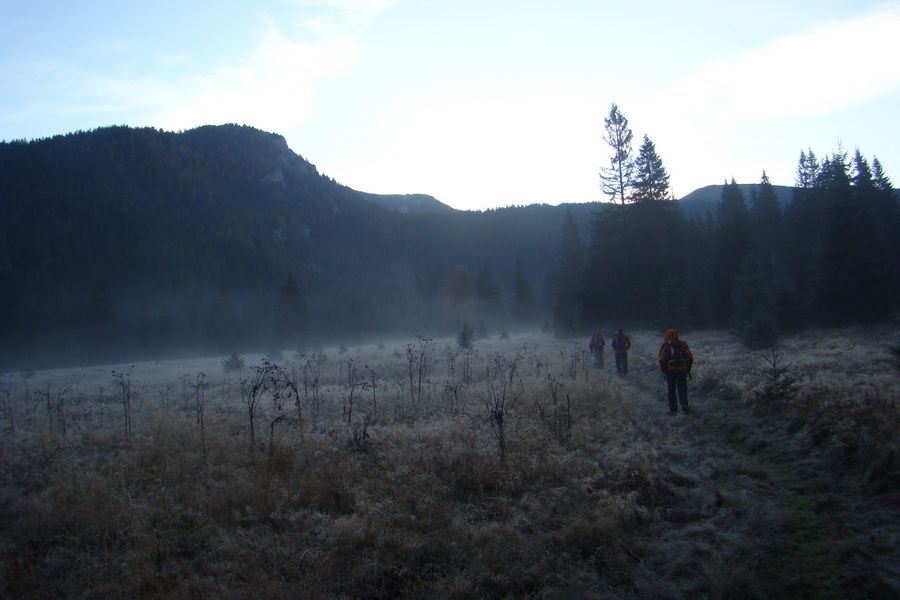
(676, 381)
(622, 363)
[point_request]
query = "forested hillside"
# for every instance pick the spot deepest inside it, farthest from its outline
(137, 243)
(827, 258)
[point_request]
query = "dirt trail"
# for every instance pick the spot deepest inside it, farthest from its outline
(746, 506)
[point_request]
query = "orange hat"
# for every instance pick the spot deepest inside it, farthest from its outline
(671, 334)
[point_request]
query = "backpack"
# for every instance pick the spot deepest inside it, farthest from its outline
(677, 355)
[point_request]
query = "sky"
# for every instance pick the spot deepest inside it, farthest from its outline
(481, 104)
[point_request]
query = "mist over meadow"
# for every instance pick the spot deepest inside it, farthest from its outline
(226, 374)
(125, 243)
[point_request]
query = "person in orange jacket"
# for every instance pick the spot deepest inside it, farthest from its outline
(620, 345)
(597, 345)
(675, 362)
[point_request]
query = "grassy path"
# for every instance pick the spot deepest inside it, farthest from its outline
(748, 508)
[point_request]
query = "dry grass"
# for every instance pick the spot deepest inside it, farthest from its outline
(513, 471)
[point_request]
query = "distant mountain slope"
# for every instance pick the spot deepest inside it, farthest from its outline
(704, 200)
(163, 240)
(408, 204)
(135, 243)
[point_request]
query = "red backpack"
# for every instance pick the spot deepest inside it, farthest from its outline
(677, 355)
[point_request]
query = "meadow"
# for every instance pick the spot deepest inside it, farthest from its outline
(419, 469)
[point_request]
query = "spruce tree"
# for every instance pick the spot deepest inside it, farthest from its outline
(569, 278)
(651, 181)
(604, 267)
(616, 179)
(803, 219)
(834, 175)
(221, 326)
(634, 251)
(881, 180)
(289, 317)
(524, 303)
(489, 297)
(460, 294)
(888, 219)
(102, 331)
(862, 180)
(851, 271)
(754, 302)
(466, 337)
(807, 170)
(732, 244)
(766, 219)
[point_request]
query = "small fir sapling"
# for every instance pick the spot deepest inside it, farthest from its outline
(232, 363)
(199, 388)
(124, 383)
(776, 383)
(894, 350)
(466, 337)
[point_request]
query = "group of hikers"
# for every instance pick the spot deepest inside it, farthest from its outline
(675, 361)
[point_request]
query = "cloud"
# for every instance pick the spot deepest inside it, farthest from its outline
(494, 147)
(835, 65)
(338, 17)
(729, 114)
(274, 88)
(354, 11)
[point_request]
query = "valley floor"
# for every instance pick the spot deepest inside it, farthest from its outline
(512, 471)
(756, 500)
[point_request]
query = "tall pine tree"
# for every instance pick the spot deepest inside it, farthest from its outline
(888, 219)
(524, 305)
(616, 179)
(732, 244)
(651, 180)
(460, 295)
(490, 299)
(766, 219)
(569, 279)
(635, 252)
(881, 180)
(289, 324)
(803, 219)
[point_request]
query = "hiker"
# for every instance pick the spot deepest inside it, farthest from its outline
(597, 344)
(620, 345)
(675, 361)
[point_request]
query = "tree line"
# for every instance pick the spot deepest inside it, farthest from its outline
(137, 242)
(124, 243)
(827, 258)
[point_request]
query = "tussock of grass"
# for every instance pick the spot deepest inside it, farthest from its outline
(585, 488)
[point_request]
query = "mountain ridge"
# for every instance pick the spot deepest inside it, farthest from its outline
(144, 242)
(408, 204)
(704, 200)
(194, 236)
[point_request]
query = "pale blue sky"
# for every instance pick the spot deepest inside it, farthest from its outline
(478, 103)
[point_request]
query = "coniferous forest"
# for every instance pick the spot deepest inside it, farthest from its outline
(134, 243)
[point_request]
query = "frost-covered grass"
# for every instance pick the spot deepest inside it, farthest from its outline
(424, 470)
